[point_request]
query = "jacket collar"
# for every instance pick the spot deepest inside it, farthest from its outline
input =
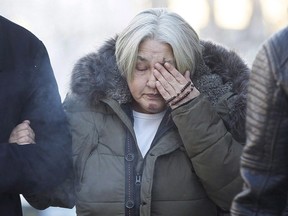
(221, 71)
(97, 76)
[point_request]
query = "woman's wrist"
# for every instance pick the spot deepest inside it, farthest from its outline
(183, 96)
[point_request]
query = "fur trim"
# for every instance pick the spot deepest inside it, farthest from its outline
(97, 76)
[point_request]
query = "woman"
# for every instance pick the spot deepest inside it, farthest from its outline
(155, 130)
(157, 122)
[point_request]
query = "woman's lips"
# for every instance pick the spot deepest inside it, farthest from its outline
(153, 96)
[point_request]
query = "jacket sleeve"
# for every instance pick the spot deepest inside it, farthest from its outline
(35, 168)
(61, 196)
(214, 153)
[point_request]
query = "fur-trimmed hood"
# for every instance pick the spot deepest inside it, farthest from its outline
(96, 76)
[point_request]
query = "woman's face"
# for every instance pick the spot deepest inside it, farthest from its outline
(142, 86)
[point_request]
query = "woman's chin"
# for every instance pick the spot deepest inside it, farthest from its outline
(150, 106)
(155, 108)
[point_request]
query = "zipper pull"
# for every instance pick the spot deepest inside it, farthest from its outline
(138, 179)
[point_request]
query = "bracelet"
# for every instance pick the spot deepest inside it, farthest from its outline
(189, 83)
(184, 96)
(169, 100)
(185, 87)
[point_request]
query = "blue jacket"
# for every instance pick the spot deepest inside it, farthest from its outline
(28, 90)
(264, 163)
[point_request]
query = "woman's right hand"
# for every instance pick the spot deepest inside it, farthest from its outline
(22, 134)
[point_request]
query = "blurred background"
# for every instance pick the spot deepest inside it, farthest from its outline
(73, 28)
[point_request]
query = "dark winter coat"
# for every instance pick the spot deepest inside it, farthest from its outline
(264, 163)
(192, 167)
(28, 91)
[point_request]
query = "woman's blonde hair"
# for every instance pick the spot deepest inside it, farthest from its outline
(165, 27)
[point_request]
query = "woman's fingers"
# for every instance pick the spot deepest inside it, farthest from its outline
(178, 77)
(175, 88)
(170, 80)
(161, 89)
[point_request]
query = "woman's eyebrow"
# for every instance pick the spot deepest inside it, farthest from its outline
(143, 59)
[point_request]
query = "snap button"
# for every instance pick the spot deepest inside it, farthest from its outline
(129, 157)
(129, 204)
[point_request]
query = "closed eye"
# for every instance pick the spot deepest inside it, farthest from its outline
(141, 68)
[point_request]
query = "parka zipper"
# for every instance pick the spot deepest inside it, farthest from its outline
(134, 170)
(131, 188)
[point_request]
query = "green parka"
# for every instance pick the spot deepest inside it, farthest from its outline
(192, 167)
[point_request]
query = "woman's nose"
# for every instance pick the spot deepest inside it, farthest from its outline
(151, 82)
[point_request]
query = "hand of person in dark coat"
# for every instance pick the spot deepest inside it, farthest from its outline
(22, 134)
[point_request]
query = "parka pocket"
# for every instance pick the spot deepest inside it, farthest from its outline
(81, 160)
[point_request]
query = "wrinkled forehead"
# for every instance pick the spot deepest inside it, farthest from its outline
(153, 50)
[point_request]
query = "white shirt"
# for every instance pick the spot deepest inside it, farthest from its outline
(145, 127)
